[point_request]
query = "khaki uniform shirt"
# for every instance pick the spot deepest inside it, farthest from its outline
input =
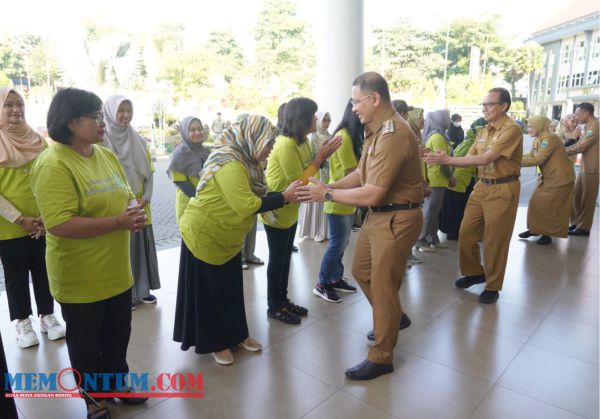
(588, 145)
(505, 138)
(391, 160)
(548, 152)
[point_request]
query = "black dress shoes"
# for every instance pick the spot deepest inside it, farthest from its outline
(404, 323)
(527, 234)
(544, 240)
(469, 280)
(579, 232)
(488, 297)
(368, 370)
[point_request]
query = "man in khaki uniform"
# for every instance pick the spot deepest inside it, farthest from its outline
(586, 184)
(492, 207)
(388, 181)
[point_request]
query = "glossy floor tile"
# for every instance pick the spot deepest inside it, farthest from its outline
(533, 354)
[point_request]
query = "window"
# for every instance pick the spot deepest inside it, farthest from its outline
(596, 47)
(549, 86)
(581, 51)
(566, 54)
(541, 87)
(563, 83)
(593, 78)
(577, 80)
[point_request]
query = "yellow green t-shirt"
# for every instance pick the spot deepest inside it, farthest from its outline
(286, 163)
(65, 185)
(217, 219)
(15, 186)
(339, 163)
(181, 199)
(437, 142)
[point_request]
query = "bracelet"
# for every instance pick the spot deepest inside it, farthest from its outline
(20, 220)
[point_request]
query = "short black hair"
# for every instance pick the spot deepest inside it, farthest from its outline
(298, 117)
(373, 82)
(400, 105)
(456, 117)
(66, 105)
(587, 106)
(503, 95)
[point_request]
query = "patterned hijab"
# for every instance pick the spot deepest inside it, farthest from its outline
(19, 144)
(127, 144)
(243, 142)
(188, 157)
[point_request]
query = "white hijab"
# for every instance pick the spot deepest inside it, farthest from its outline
(127, 144)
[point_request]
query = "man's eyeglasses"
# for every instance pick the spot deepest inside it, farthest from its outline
(98, 117)
(488, 105)
(357, 101)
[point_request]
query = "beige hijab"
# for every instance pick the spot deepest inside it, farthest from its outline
(19, 144)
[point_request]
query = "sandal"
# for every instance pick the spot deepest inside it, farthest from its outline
(283, 315)
(295, 309)
(98, 412)
(255, 261)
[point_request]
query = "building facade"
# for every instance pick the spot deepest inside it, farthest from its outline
(571, 67)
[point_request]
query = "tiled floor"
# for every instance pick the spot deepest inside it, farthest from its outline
(534, 354)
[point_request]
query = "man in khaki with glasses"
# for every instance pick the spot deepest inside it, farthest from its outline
(492, 207)
(388, 180)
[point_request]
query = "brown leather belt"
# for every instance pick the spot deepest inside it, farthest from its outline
(506, 179)
(395, 207)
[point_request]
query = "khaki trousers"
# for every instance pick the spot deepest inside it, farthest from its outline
(584, 201)
(489, 216)
(382, 249)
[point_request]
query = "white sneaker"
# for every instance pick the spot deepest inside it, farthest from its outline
(49, 324)
(427, 249)
(409, 263)
(26, 337)
(441, 245)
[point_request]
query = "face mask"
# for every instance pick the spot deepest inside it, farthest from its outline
(456, 124)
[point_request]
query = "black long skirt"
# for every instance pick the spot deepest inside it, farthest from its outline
(210, 312)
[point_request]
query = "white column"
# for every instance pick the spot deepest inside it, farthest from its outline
(340, 53)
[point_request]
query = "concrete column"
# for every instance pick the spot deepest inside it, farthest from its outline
(340, 53)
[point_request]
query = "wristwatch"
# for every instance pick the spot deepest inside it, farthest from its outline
(329, 196)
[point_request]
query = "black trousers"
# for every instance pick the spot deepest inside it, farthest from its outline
(98, 335)
(280, 243)
(20, 257)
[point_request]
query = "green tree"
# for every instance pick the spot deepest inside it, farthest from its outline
(405, 55)
(521, 61)
(224, 55)
(466, 33)
(115, 60)
(284, 50)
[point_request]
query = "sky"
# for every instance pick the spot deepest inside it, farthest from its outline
(60, 20)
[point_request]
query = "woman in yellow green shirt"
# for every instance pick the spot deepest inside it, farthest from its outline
(440, 177)
(187, 161)
(210, 313)
(132, 151)
(22, 241)
(290, 160)
(456, 197)
(88, 210)
(339, 216)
